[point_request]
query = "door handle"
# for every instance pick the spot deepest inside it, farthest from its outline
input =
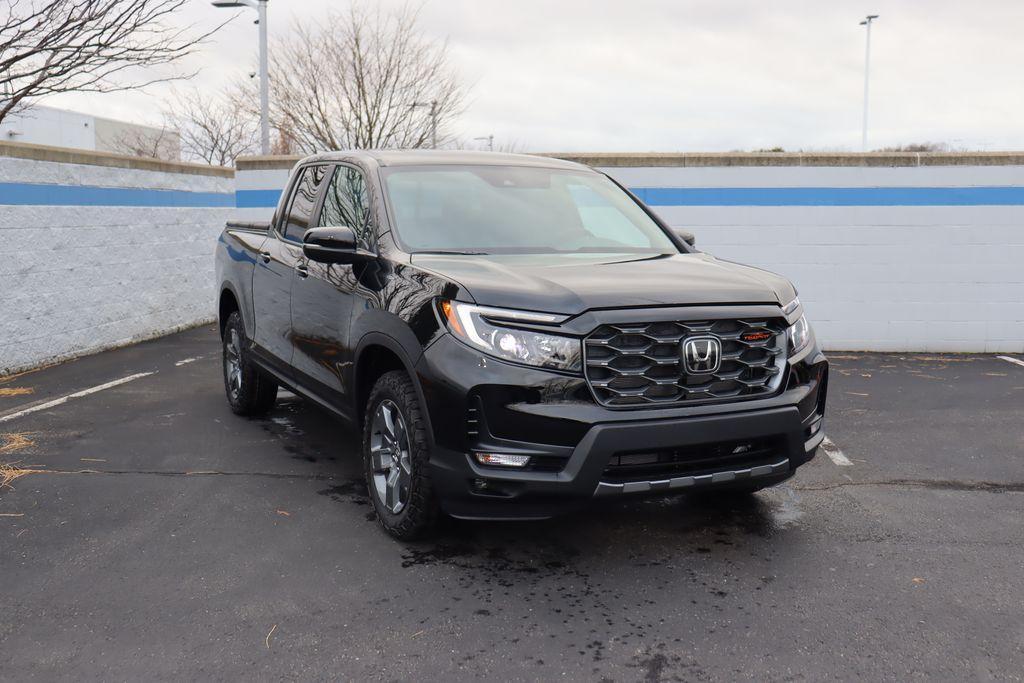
(302, 270)
(265, 255)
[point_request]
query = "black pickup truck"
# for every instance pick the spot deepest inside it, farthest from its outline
(513, 337)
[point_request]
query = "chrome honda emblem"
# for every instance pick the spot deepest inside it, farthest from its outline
(702, 355)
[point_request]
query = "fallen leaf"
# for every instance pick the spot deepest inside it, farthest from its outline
(267, 640)
(917, 579)
(283, 512)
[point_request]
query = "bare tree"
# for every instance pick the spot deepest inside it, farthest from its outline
(163, 142)
(213, 130)
(56, 46)
(363, 79)
(509, 146)
(918, 147)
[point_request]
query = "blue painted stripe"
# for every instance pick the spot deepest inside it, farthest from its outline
(777, 196)
(257, 199)
(88, 195)
(84, 195)
(830, 196)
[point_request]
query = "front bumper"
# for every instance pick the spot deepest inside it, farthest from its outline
(479, 404)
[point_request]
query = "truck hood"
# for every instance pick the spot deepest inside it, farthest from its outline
(574, 283)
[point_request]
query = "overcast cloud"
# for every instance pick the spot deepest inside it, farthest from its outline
(720, 75)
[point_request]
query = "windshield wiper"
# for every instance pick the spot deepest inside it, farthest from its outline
(449, 252)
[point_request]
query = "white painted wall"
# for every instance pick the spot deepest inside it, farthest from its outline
(876, 278)
(49, 126)
(42, 125)
(78, 279)
(273, 179)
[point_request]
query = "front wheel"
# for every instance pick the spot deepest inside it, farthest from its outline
(250, 391)
(395, 457)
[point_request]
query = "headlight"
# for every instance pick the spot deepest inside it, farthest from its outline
(478, 327)
(799, 335)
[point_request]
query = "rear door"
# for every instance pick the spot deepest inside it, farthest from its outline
(323, 294)
(275, 267)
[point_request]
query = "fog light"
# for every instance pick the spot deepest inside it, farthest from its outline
(502, 459)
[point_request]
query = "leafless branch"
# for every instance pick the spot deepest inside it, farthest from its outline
(156, 143)
(351, 80)
(56, 46)
(214, 131)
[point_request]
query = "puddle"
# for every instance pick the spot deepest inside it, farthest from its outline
(352, 491)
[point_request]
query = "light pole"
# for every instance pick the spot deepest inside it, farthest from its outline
(867, 70)
(490, 141)
(261, 8)
(433, 119)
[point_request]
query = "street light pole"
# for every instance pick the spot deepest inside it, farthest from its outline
(264, 81)
(867, 72)
(261, 8)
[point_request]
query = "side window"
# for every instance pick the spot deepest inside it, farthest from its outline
(300, 210)
(347, 204)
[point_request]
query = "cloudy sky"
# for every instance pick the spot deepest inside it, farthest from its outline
(683, 75)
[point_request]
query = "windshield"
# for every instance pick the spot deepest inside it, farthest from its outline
(514, 209)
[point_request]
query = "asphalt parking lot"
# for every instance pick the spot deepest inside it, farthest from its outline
(156, 535)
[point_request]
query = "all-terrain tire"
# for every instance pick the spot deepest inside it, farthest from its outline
(420, 510)
(250, 391)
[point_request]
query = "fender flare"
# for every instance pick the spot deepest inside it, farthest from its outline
(228, 286)
(390, 343)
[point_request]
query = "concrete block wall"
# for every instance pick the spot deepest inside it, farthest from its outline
(890, 252)
(259, 182)
(886, 258)
(98, 250)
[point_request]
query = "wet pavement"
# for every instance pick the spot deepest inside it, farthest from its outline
(159, 536)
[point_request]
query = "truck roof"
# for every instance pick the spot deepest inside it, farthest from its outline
(437, 157)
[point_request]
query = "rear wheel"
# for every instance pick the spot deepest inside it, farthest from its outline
(250, 391)
(395, 458)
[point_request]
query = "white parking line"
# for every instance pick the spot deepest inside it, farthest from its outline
(186, 361)
(834, 453)
(1016, 361)
(78, 394)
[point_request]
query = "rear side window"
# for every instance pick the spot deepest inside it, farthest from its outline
(347, 204)
(300, 209)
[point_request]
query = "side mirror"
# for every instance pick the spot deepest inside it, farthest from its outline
(686, 236)
(332, 245)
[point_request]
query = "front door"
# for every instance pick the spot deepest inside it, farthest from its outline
(275, 266)
(323, 294)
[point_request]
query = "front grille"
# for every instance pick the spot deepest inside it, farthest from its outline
(641, 363)
(691, 460)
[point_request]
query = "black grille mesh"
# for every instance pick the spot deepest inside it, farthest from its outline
(641, 363)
